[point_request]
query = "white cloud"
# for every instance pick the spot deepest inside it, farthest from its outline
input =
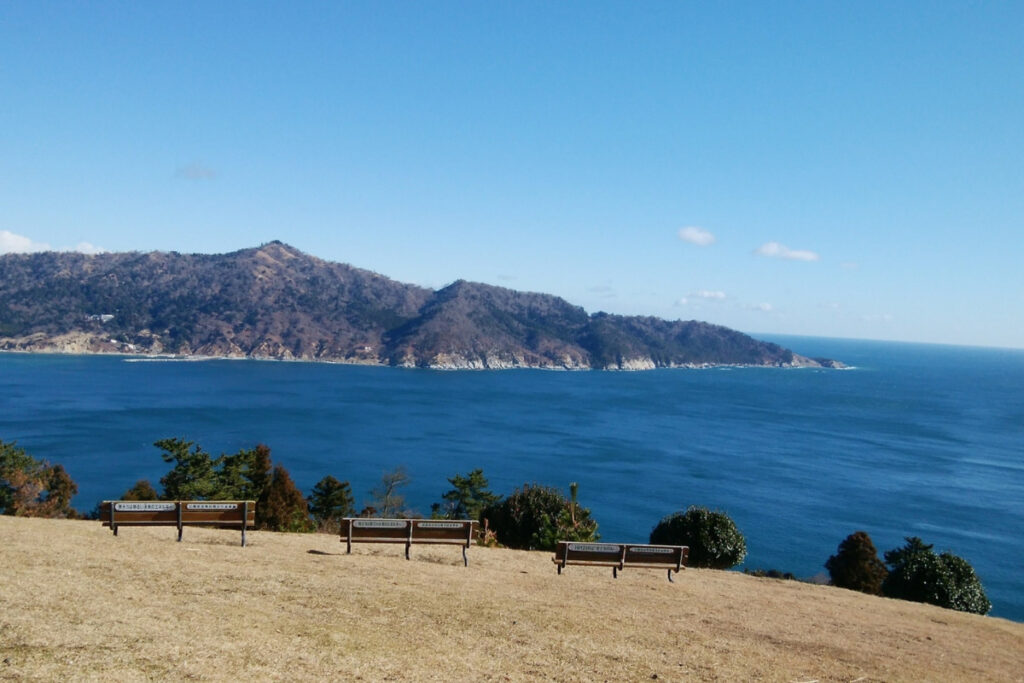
(11, 243)
(695, 235)
(195, 171)
(87, 248)
(18, 244)
(776, 250)
(764, 307)
(709, 295)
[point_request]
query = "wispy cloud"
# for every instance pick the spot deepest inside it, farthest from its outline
(776, 250)
(11, 243)
(195, 171)
(764, 307)
(695, 235)
(709, 295)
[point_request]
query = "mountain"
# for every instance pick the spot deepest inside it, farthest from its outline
(274, 301)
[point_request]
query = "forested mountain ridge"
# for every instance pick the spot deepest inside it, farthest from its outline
(275, 301)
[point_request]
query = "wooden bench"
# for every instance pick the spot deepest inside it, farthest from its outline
(621, 555)
(179, 513)
(408, 531)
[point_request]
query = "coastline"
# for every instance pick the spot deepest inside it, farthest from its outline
(455, 363)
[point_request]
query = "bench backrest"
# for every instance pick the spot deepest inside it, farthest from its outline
(178, 512)
(408, 530)
(622, 554)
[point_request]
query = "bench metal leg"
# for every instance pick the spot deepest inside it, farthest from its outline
(465, 559)
(559, 568)
(115, 530)
(670, 576)
(407, 546)
(615, 572)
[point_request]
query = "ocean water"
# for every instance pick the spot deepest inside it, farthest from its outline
(915, 440)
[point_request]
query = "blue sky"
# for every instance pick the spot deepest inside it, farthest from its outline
(819, 168)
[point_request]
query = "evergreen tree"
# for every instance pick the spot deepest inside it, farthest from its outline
(194, 475)
(467, 498)
(286, 509)
(856, 565)
(330, 502)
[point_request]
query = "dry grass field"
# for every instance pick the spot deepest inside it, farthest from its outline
(78, 603)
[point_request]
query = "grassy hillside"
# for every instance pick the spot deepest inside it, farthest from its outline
(77, 602)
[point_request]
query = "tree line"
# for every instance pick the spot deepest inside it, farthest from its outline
(532, 517)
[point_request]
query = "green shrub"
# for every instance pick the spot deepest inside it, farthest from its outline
(856, 565)
(536, 517)
(712, 537)
(916, 573)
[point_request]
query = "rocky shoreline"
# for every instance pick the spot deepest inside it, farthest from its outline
(86, 344)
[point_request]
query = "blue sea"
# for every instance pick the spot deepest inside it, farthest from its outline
(919, 440)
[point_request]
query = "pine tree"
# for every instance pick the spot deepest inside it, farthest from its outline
(330, 502)
(469, 496)
(194, 475)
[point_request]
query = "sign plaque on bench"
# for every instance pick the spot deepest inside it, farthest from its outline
(621, 555)
(225, 514)
(408, 531)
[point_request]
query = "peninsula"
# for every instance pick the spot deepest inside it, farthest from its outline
(275, 301)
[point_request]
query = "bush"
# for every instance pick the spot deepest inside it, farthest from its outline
(771, 574)
(916, 573)
(856, 565)
(712, 537)
(536, 517)
(141, 490)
